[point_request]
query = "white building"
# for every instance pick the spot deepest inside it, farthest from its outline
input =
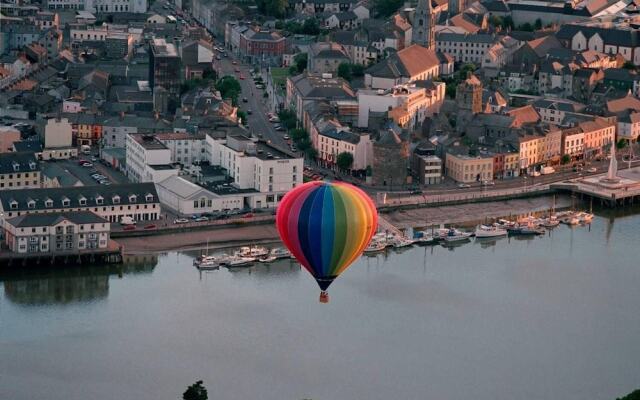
(330, 138)
(256, 165)
(148, 159)
(186, 198)
(629, 126)
(464, 47)
(105, 6)
(138, 201)
(56, 232)
(408, 104)
(57, 137)
(185, 148)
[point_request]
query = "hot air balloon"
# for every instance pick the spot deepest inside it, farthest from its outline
(326, 226)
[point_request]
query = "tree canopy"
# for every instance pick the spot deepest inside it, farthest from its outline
(635, 395)
(229, 88)
(385, 8)
(274, 8)
(197, 391)
(344, 160)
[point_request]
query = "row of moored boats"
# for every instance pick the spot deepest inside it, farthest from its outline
(243, 257)
(528, 226)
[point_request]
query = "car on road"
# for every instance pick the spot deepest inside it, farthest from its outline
(592, 170)
(129, 228)
(218, 58)
(278, 128)
(234, 62)
(236, 69)
(488, 183)
(248, 215)
(150, 226)
(201, 219)
(535, 173)
(245, 100)
(259, 86)
(294, 148)
(464, 186)
(286, 137)
(241, 77)
(259, 134)
(416, 191)
(249, 112)
(180, 221)
(87, 164)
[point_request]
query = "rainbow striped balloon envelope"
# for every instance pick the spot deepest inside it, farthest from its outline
(326, 226)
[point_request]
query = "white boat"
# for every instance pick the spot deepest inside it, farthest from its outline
(252, 251)
(484, 231)
(375, 246)
(504, 223)
(208, 264)
(279, 252)
(454, 235)
(550, 222)
(400, 241)
(571, 220)
(267, 259)
(426, 238)
(584, 217)
(442, 233)
(237, 261)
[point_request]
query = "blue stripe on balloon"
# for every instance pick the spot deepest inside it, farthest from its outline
(304, 225)
(315, 229)
(328, 230)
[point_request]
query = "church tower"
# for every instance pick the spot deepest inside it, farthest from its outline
(425, 25)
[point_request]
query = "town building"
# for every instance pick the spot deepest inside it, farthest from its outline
(464, 47)
(19, 171)
(326, 57)
(426, 166)
(425, 23)
(408, 104)
(330, 139)
(408, 65)
(538, 146)
(148, 159)
(185, 148)
(306, 88)
(57, 136)
(138, 201)
(8, 136)
(465, 168)
(56, 233)
(165, 66)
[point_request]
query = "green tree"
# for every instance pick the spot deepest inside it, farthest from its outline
(197, 391)
(274, 8)
(288, 119)
(344, 71)
(243, 117)
(311, 26)
(357, 70)
(538, 24)
(300, 61)
(622, 143)
(385, 8)
(629, 65)
(508, 22)
(566, 159)
(229, 88)
(298, 134)
(344, 160)
(527, 27)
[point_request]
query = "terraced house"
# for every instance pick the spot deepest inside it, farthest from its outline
(19, 171)
(138, 201)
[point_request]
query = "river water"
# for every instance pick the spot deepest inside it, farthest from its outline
(551, 317)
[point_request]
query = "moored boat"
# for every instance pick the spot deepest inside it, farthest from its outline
(279, 252)
(375, 246)
(484, 231)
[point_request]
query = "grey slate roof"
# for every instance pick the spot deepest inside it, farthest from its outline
(49, 219)
(27, 146)
(75, 194)
(610, 35)
(18, 162)
(466, 38)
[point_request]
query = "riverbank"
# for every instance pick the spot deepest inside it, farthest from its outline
(472, 213)
(266, 233)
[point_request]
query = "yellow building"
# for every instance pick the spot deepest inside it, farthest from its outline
(468, 169)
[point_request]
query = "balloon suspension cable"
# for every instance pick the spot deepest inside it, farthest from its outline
(324, 297)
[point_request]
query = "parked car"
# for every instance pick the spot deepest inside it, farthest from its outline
(294, 148)
(244, 100)
(87, 164)
(234, 62)
(202, 219)
(416, 191)
(464, 186)
(279, 128)
(241, 77)
(488, 183)
(249, 112)
(129, 228)
(150, 226)
(248, 215)
(237, 69)
(286, 137)
(535, 173)
(592, 170)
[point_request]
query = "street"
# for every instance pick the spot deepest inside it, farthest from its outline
(258, 121)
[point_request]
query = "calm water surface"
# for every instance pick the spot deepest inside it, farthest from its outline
(553, 317)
